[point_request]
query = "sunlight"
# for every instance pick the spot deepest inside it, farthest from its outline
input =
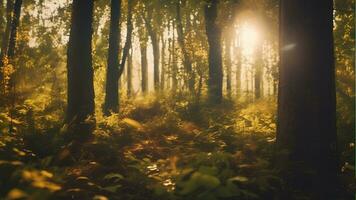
(249, 38)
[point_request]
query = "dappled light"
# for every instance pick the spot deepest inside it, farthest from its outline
(177, 100)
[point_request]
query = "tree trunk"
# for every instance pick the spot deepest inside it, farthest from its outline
(258, 72)
(163, 62)
(213, 32)
(306, 113)
(129, 74)
(14, 27)
(5, 45)
(112, 74)
(186, 59)
(129, 28)
(79, 69)
(174, 62)
(228, 61)
(238, 58)
(152, 32)
(144, 68)
(6, 35)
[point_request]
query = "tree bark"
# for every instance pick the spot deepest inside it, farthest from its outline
(144, 68)
(155, 46)
(79, 69)
(163, 63)
(258, 72)
(174, 62)
(112, 74)
(228, 62)
(307, 105)
(213, 32)
(186, 58)
(128, 41)
(14, 27)
(129, 74)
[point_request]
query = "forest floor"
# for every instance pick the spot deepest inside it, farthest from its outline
(155, 149)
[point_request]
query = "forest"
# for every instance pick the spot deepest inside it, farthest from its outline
(177, 99)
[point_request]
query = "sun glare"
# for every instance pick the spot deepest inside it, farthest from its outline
(249, 38)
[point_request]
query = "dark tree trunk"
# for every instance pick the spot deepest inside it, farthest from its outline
(129, 74)
(306, 113)
(258, 73)
(213, 32)
(228, 62)
(14, 27)
(237, 53)
(129, 28)
(5, 44)
(79, 69)
(144, 68)
(186, 58)
(155, 46)
(112, 75)
(6, 35)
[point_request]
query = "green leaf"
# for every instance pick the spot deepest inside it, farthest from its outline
(114, 176)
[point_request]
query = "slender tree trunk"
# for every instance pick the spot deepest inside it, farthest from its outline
(112, 74)
(5, 45)
(213, 32)
(156, 56)
(14, 27)
(258, 73)
(79, 69)
(144, 68)
(186, 58)
(238, 62)
(129, 74)
(163, 62)
(2, 22)
(174, 62)
(128, 42)
(228, 62)
(307, 105)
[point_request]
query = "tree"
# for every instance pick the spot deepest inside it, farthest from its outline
(112, 77)
(144, 67)
(129, 73)
(14, 26)
(306, 113)
(5, 40)
(186, 58)
(80, 105)
(258, 72)
(228, 61)
(152, 32)
(213, 32)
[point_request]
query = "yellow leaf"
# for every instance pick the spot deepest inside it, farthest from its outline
(16, 194)
(133, 123)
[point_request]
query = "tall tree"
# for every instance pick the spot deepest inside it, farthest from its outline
(152, 32)
(144, 66)
(181, 41)
(112, 75)
(174, 60)
(14, 27)
(129, 73)
(163, 62)
(228, 61)
(128, 42)
(306, 113)
(213, 32)
(5, 37)
(258, 72)
(79, 69)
